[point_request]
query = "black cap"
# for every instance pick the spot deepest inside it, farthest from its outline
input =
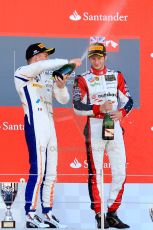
(97, 49)
(37, 48)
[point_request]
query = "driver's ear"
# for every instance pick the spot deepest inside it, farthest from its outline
(105, 58)
(36, 58)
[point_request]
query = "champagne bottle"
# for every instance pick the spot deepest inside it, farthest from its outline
(108, 128)
(65, 69)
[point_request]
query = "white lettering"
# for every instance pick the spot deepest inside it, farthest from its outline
(7, 126)
(125, 18)
(85, 16)
(85, 164)
(104, 18)
(116, 17)
(121, 18)
(109, 18)
(106, 165)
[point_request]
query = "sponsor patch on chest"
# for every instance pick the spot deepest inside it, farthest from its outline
(36, 85)
(110, 77)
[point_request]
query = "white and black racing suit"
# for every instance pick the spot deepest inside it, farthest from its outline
(92, 89)
(36, 88)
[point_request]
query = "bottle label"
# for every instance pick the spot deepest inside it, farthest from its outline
(109, 132)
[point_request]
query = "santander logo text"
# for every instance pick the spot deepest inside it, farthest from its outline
(77, 165)
(86, 16)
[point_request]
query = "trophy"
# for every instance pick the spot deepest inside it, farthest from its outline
(8, 193)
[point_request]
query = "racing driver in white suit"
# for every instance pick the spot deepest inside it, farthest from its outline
(36, 88)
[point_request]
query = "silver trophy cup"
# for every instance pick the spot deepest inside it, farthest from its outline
(8, 193)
